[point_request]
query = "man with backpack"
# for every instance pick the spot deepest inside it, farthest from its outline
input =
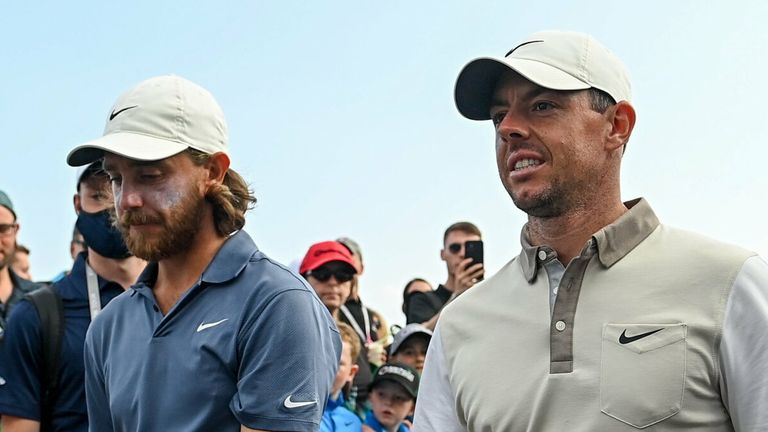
(41, 360)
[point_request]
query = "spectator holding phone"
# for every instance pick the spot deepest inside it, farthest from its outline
(463, 273)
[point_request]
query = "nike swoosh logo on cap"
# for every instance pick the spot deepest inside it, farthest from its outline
(522, 44)
(202, 326)
(117, 113)
(288, 403)
(624, 339)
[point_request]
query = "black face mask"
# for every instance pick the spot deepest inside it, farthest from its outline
(101, 236)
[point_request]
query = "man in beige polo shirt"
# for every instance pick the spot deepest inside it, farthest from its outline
(607, 320)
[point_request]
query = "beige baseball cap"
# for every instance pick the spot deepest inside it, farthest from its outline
(156, 119)
(557, 60)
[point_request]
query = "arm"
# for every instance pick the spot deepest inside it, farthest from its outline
(96, 395)
(296, 359)
(744, 348)
(436, 404)
(17, 424)
(20, 364)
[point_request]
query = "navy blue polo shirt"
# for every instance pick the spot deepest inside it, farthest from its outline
(21, 354)
(250, 343)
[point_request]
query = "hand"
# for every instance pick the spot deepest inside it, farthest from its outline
(466, 275)
(377, 355)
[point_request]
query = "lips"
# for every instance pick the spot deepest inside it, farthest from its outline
(524, 162)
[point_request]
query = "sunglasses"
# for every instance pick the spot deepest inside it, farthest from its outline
(6, 229)
(323, 274)
(455, 248)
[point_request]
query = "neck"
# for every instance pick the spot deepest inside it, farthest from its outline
(123, 271)
(178, 273)
(568, 233)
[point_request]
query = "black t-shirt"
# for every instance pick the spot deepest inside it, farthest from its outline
(422, 306)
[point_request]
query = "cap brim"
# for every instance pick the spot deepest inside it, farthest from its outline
(126, 144)
(477, 81)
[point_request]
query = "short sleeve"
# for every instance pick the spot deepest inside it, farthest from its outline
(744, 348)
(436, 404)
(289, 353)
(20, 357)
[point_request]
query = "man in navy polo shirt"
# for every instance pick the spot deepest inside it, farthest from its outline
(214, 335)
(21, 358)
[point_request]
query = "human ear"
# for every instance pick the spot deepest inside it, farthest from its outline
(622, 118)
(217, 166)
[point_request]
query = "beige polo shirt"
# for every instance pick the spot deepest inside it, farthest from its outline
(646, 331)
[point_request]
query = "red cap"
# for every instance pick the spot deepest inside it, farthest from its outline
(324, 252)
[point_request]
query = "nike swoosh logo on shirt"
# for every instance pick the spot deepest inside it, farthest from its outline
(202, 326)
(624, 339)
(288, 403)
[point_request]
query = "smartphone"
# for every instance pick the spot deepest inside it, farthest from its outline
(474, 249)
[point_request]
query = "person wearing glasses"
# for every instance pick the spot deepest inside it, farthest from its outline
(98, 275)
(424, 307)
(329, 268)
(12, 286)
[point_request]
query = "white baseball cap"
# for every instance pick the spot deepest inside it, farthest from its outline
(557, 60)
(156, 119)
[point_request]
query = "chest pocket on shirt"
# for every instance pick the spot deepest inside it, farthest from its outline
(642, 374)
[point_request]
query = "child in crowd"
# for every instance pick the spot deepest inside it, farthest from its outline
(336, 417)
(410, 346)
(393, 398)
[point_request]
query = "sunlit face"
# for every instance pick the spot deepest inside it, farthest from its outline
(453, 259)
(412, 351)
(159, 205)
(20, 265)
(7, 238)
(332, 292)
(549, 145)
(347, 369)
(391, 403)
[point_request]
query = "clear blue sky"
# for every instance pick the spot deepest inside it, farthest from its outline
(341, 115)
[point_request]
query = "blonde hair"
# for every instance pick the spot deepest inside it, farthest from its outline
(230, 200)
(348, 336)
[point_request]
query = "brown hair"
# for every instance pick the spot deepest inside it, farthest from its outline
(465, 227)
(348, 336)
(230, 200)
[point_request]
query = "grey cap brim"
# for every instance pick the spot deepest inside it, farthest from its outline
(477, 81)
(131, 145)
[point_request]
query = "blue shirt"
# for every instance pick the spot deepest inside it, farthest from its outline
(21, 355)
(250, 343)
(372, 422)
(337, 418)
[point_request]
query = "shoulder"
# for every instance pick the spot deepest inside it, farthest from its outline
(24, 317)
(698, 245)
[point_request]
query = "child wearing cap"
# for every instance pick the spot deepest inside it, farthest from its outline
(336, 417)
(393, 398)
(410, 346)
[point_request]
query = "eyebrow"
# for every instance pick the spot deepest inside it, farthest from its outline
(530, 94)
(133, 163)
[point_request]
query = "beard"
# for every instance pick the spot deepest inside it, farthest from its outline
(180, 229)
(557, 199)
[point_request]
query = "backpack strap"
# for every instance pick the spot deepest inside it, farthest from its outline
(50, 309)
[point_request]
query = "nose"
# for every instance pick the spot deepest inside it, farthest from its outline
(512, 128)
(127, 196)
